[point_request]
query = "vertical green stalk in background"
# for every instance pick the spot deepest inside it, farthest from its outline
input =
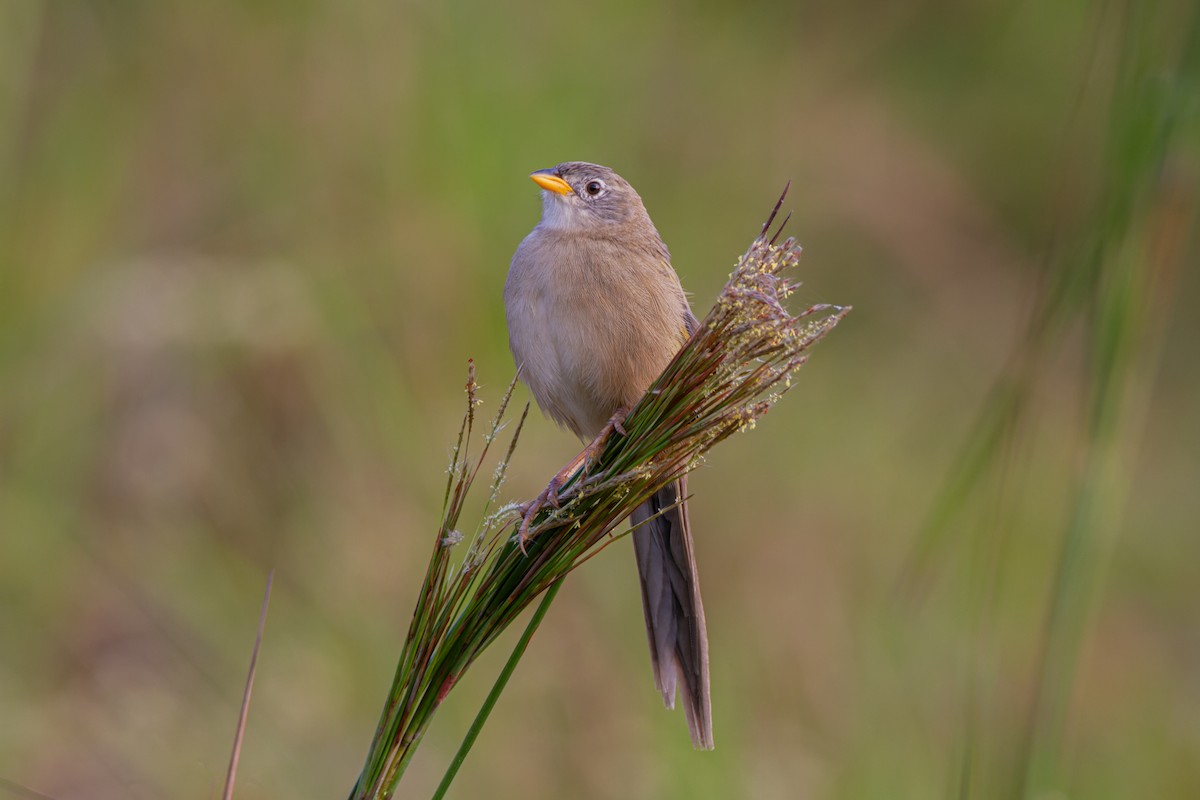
(1130, 295)
(1115, 283)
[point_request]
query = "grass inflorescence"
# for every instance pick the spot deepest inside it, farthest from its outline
(737, 364)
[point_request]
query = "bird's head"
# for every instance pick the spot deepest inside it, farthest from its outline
(577, 195)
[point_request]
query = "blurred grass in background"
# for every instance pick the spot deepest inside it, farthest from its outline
(246, 249)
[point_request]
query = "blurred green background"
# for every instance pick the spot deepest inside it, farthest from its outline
(247, 248)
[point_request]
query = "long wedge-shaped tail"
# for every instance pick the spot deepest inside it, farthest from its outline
(662, 539)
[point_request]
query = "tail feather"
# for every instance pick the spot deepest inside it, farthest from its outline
(675, 627)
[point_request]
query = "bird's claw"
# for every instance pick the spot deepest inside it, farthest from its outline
(617, 422)
(548, 497)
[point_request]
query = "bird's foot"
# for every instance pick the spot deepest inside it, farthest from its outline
(617, 421)
(548, 497)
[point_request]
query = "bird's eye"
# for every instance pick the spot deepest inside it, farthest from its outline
(594, 188)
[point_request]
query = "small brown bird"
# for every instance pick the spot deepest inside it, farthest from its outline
(595, 312)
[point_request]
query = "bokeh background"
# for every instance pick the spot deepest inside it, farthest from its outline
(246, 249)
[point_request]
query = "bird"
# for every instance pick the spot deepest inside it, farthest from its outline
(595, 311)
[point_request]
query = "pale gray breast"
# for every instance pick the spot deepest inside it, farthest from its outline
(592, 321)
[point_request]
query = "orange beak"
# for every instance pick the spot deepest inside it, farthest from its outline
(546, 179)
